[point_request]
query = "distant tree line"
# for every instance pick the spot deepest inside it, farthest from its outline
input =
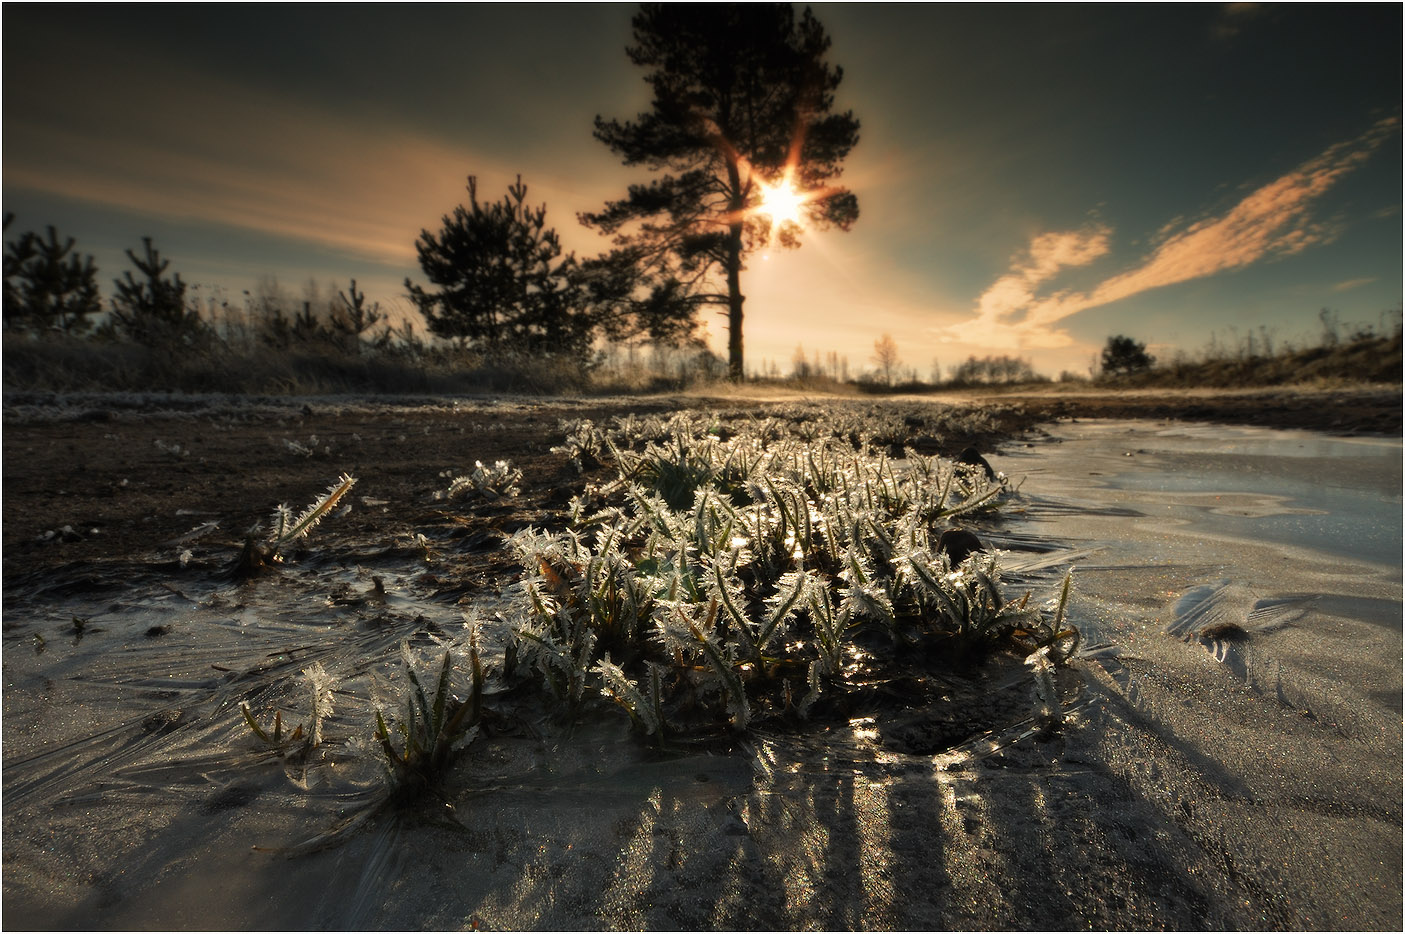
(50, 289)
(994, 369)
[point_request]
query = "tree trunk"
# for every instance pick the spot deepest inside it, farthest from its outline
(736, 204)
(736, 371)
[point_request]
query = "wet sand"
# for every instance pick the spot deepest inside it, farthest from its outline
(1227, 782)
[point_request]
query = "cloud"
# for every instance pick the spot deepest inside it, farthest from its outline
(321, 193)
(1048, 253)
(1015, 292)
(208, 151)
(1350, 284)
(1271, 221)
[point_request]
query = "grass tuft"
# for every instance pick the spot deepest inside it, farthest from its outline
(434, 728)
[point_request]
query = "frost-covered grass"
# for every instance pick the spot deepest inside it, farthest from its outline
(498, 481)
(287, 528)
(434, 728)
(732, 575)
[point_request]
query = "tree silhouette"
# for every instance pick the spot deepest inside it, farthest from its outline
(502, 285)
(152, 310)
(47, 286)
(1123, 355)
(993, 369)
(885, 354)
(354, 318)
(742, 99)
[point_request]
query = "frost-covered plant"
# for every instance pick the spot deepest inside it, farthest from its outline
(744, 562)
(302, 737)
(968, 600)
(645, 707)
(434, 727)
(674, 471)
(287, 529)
(581, 602)
(1056, 635)
(496, 482)
(1051, 653)
(584, 445)
(307, 449)
(175, 450)
(736, 564)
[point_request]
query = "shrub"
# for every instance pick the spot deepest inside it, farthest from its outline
(1122, 355)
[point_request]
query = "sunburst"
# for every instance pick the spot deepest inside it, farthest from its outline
(782, 203)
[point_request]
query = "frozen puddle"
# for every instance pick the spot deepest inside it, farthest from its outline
(1232, 758)
(1277, 552)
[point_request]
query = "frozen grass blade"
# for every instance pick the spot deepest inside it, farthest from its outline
(722, 667)
(287, 530)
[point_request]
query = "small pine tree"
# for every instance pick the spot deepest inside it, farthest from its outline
(503, 286)
(152, 310)
(47, 286)
(354, 318)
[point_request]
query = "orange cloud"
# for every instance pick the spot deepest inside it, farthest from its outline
(1014, 293)
(1271, 221)
(1047, 254)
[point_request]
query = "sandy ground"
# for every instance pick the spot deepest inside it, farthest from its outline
(1184, 791)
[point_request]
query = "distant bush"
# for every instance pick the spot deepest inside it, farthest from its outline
(1123, 355)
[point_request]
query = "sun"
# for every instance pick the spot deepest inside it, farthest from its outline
(781, 202)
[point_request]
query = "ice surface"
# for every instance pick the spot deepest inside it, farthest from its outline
(1231, 756)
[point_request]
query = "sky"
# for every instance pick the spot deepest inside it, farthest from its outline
(1031, 178)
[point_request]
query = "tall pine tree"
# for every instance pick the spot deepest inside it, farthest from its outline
(745, 148)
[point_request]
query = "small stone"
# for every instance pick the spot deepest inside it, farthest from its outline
(958, 544)
(972, 458)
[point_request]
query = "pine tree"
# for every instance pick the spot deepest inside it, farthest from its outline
(354, 317)
(152, 310)
(503, 287)
(741, 108)
(47, 286)
(1123, 355)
